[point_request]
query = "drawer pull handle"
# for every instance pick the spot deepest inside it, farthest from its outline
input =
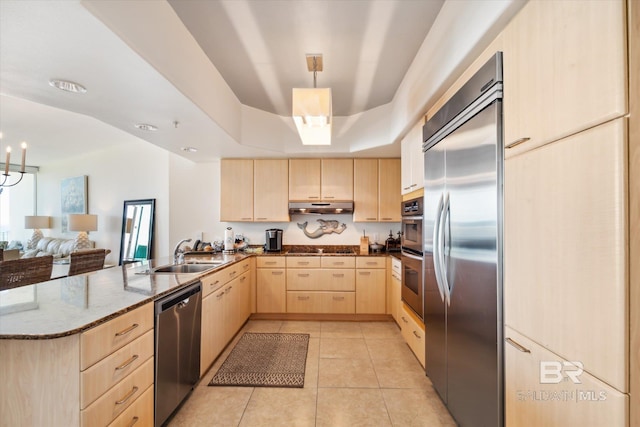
(404, 320)
(126, 331)
(226, 291)
(338, 263)
(365, 273)
(517, 142)
(371, 219)
(300, 298)
(303, 274)
(220, 295)
(518, 346)
(338, 275)
(270, 262)
(387, 219)
(406, 188)
(329, 197)
(243, 278)
(247, 219)
(303, 262)
(338, 298)
(276, 273)
(134, 421)
(127, 363)
(313, 197)
(232, 273)
(261, 219)
(372, 263)
(245, 266)
(128, 396)
(417, 336)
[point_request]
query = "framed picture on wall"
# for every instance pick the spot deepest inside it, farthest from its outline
(73, 193)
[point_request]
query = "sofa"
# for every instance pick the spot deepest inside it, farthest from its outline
(58, 247)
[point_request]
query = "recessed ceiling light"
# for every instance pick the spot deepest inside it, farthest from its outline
(189, 149)
(147, 127)
(67, 86)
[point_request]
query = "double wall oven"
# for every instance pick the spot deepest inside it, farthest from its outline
(412, 257)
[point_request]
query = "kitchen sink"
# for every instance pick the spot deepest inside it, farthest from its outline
(184, 268)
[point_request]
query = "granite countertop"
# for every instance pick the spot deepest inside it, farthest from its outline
(69, 305)
(323, 250)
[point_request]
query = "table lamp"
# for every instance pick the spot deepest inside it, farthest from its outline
(83, 223)
(36, 222)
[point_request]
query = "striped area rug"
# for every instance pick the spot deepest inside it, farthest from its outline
(265, 360)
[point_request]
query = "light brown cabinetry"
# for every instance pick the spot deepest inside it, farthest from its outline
(556, 57)
(236, 190)
(371, 285)
(271, 190)
(376, 192)
(542, 390)
(320, 179)
(413, 333)
(271, 288)
(394, 289)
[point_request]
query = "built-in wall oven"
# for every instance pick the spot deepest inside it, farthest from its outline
(412, 258)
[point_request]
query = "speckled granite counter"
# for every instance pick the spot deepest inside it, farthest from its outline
(73, 304)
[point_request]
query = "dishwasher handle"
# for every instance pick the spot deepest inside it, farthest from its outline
(179, 298)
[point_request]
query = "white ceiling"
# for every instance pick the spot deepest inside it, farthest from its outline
(214, 66)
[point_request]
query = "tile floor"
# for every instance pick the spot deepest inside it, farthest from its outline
(357, 374)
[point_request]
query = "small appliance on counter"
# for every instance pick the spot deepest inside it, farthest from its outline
(229, 241)
(273, 237)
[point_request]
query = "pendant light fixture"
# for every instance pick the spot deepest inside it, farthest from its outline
(312, 108)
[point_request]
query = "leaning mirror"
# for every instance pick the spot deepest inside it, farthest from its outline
(137, 230)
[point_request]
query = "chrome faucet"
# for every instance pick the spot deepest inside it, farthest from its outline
(178, 254)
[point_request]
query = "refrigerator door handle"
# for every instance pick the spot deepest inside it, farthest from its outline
(436, 246)
(443, 271)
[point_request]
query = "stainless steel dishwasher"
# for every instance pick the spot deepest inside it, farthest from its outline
(177, 370)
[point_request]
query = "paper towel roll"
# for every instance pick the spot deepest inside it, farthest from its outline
(229, 240)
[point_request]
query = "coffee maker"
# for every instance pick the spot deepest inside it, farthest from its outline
(273, 238)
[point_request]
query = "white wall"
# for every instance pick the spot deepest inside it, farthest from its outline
(135, 170)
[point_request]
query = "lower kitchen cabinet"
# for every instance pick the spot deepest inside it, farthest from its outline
(271, 287)
(371, 285)
(413, 333)
(394, 299)
(321, 302)
(542, 389)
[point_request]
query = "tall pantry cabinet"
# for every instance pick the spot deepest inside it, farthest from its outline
(570, 285)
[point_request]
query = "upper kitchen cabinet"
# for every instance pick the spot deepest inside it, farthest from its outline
(412, 160)
(564, 70)
(236, 190)
(375, 191)
(271, 190)
(320, 179)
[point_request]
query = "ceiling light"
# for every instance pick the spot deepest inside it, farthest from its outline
(147, 127)
(189, 149)
(68, 86)
(312, 108)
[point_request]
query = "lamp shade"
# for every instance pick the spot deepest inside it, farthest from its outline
(83, 222)
(34, 222)
(311, 111)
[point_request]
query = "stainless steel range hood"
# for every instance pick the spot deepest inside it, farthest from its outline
(320, 208)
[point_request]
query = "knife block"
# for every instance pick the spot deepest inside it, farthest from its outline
(364, 246)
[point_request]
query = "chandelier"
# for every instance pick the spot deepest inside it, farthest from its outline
(4, 181)
(312, 108)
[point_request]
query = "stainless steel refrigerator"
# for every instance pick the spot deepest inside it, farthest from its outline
(463, 171)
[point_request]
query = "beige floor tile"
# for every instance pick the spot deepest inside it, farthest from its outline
(281, 407)
(267, 326)
(416, 408)
(390, 349)
(340, 330)
(301, 327)
(343, 348)
(381, 330)
(213, 406)
(347, 373)
(349, 407)
(311, 368)
(391, 375)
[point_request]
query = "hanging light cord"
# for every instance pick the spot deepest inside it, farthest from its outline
(315, 71)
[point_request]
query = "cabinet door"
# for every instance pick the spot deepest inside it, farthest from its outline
(371, 291)
(556, 57)
(540, 390)
(337, 179)
(304, 302)
(365, 190)
(412, 175)
(271, 190)
(395, 299)
(338, 302)
(566, 237)
(304, 179)
(270, 290)
(236, 190)
(389, 195)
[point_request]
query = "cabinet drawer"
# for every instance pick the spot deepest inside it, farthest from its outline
(104, 339)
(270, 290)
(303, 262)
(396, 266)
(304, 302)
(413, 334)
(337, 279)
(235, 270)
(270, 262)
(140, 413)
(338, 262)
(119, 397)
(370, 262)
(304, 280)
(110, 370)
(338, 302)
(213, 281)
